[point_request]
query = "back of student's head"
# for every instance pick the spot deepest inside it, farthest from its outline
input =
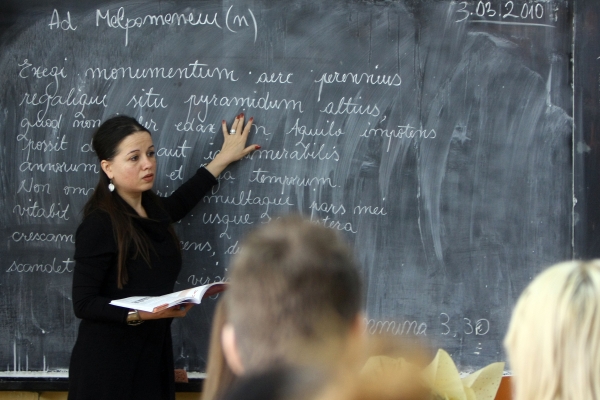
(553, 341)
(294, 286)
(218, 374)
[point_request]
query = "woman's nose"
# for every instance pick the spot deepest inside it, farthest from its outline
(148, 162)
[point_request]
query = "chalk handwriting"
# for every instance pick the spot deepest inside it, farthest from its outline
(51, 99)
(403, 132)
(279, 78)
(150, 125)
(481, 327)
(233, 249)
(57, 167)
(40, 122)
(260, 176)
(29, 187)
(260, 129)
(161, 193)
(348, 107)
(329, 208)
(532, 13)
(35, 211)
(60, 144)
(301, 130)
(330, 223)
(226, 219)
(357, 79)
(240, 21)
(149, 99)
(176, 175)
(195, 246)
(27, 70)
(86, 123)
(194, 70)
(205, 280)
(307, 151)
(248, 199)
(225, 176)
(87, 148)
(118, 20)
(406, 327)
(190, 125)
(263, 103)
(41, 237)
(369, 210)
(77, 190)
(178, 152)
(48, 267)
(65, 24)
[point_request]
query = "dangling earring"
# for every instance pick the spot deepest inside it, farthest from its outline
(111, 187)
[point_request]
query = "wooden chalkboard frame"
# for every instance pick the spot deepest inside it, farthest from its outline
(62, 385)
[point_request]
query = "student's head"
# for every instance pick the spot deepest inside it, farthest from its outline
(218, 374)
(294, 291)
(553, 341)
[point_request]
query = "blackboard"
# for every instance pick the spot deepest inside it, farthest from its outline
(436, 136)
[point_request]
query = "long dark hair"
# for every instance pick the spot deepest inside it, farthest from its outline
(105, 143)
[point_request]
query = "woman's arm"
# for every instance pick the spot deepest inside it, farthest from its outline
(95, 259)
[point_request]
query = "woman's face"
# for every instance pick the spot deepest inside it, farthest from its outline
(133, 168)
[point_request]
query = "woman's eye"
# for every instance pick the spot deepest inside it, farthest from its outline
(134, 158)
(151, 154)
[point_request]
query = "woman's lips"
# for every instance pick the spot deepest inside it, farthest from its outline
(148, 178)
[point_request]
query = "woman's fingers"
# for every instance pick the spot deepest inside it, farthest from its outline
(248, 127)
(236, 126)
(177, 311)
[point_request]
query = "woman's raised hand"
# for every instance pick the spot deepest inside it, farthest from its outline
(234, 145)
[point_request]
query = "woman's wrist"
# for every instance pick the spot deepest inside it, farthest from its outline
(217, 165)
(134, 318)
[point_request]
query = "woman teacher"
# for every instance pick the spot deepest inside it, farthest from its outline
(126, 246)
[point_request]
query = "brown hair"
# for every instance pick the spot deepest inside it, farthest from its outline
(106, 142)
(293, 284)
(219, 376)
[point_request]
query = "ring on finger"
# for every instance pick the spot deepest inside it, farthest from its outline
(232, 132)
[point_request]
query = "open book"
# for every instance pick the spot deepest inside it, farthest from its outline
(156, 303)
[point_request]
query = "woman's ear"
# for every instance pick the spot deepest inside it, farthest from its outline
(230, 350)
(107, 168)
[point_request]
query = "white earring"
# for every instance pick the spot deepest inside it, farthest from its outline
(111, 187)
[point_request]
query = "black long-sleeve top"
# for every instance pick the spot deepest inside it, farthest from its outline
(112, 360)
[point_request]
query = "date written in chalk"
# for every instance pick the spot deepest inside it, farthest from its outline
(529, 13)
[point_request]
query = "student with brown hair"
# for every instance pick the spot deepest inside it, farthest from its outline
(125, 247)
(219, 377)
(294, 299)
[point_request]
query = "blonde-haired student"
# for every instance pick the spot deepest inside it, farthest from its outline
(553, 340)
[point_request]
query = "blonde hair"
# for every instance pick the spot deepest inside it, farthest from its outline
(553, 340)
